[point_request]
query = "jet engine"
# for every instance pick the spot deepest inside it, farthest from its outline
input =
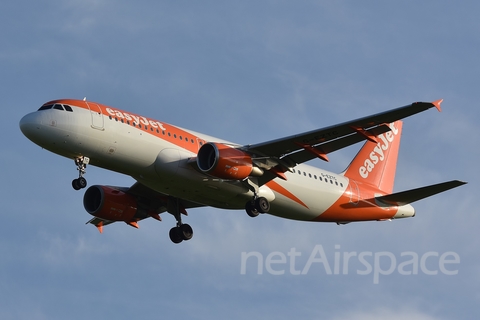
(110, 204)
(222, 161)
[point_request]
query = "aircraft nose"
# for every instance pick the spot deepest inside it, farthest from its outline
(30, 124)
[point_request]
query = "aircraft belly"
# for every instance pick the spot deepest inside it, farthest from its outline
(205, 191)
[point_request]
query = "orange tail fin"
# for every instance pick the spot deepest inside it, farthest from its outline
(376, 162)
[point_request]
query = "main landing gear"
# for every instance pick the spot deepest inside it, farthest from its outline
(258, 204)
(181, 231)
(80, 182)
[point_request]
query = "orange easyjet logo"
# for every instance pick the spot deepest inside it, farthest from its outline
(379, 152)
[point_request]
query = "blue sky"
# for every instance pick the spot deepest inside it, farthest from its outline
(245, 71)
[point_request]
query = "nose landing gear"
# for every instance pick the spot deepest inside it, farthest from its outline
(80, 182)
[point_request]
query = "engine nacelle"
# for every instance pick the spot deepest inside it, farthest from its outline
(110, 204)
(222, 161)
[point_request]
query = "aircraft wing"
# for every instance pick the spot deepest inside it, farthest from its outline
(150, 201)
(283, 154)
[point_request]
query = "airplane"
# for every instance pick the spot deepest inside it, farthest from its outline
(178, 169)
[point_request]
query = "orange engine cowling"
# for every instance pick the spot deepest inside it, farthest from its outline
(224, 162)
(110, 204)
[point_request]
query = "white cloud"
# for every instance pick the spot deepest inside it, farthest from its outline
(386, 313)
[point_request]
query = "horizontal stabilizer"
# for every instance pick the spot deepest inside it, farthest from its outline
(406, 197)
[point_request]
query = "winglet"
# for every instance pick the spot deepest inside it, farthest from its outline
(437, 104)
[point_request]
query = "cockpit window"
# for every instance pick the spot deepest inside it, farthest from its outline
(56, 106)
(46, 107)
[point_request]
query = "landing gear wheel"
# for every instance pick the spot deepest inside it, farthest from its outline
(82, 182)
(79, 183)
(251, 210)
(75, 184)
(186, 231)
(175, 235)
(257, 206)
(262, 205)
(179, 233)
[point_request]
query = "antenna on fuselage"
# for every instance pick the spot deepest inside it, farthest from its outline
(85, 99)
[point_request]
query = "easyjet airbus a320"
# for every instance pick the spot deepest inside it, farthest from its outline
(178, 169)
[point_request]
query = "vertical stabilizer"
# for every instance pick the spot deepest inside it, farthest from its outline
(376, 162)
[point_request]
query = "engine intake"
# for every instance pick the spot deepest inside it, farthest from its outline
(110, 204)
(222, 161)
